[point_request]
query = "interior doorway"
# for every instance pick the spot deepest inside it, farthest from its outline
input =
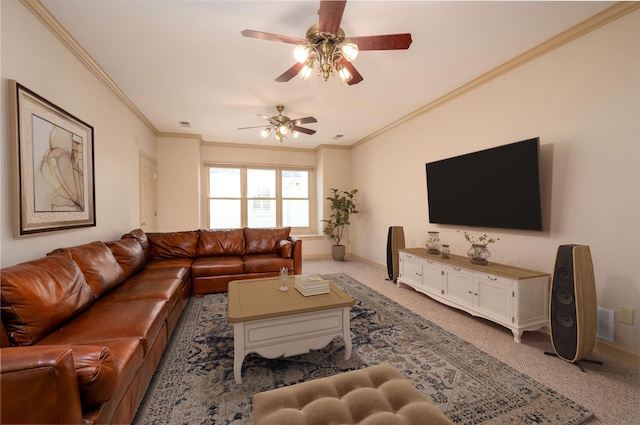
(148, 194)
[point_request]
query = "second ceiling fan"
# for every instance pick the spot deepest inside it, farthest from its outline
(327, 47)
(280, 125)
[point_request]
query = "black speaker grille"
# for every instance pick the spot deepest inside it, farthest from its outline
(563, 309)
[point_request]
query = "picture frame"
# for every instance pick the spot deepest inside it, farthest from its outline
(52, 165)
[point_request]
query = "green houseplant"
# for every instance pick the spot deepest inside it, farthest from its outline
(342, 206)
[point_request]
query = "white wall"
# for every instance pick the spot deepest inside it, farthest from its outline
(32, 56)
(583, 100)
(178, 183)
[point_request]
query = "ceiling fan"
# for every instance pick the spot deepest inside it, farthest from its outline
(327, 46)
(281, 125)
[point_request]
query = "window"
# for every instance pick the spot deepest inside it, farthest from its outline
(241, 196)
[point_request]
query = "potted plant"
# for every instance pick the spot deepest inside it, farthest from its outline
(342, 206)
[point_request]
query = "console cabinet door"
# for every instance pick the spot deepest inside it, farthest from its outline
(494, 297)
(432, 276)
(411, 269)
(457, 284)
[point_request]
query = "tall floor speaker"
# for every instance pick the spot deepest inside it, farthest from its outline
(573, 310)
(395, 241)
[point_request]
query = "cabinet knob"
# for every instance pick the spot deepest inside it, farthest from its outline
(492, 278)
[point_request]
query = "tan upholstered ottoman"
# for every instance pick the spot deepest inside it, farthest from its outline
(377, 395)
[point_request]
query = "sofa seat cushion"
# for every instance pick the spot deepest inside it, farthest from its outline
(129, 254)
(220, 242)
(161, 284)
(261, 263)
(181, 263)
(173, 244)
(264, 241)
(105, 321)
(216, 266)
(40, 295)
(99, 266)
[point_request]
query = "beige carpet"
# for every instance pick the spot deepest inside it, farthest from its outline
(611, 391)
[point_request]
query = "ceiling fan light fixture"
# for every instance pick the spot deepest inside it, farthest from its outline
(295, 134)
(283, 129)
(301, 53)
(265, 132)
(349, 50)
(344, 74)
(305, 72)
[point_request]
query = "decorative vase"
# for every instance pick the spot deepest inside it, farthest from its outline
(479, 254)
(445, 251)
(433, 243)
(337, 252)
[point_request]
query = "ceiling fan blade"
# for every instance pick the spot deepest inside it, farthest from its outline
(355, 75)
(383, 42)
(272, 37)
(303, 130)
(305, 120)
(290, 73)
(266, 117)
(330, 15)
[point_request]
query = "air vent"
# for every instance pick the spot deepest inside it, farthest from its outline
(605, 324)
(338, 136)
(186, 124)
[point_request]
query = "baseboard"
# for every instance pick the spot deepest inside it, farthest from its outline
(613, 351)
(618, 353)
(369, 262)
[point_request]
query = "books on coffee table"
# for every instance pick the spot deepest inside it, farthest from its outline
(311, 284)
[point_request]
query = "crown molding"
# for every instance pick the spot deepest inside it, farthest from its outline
(596, 21)
(51, 23)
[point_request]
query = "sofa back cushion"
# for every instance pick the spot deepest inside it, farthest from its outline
(221, 242)
(99, 266)
(129, 254)
(264, 241)
(40, 295)
(173, 244)
(143, 240)
(4, 339)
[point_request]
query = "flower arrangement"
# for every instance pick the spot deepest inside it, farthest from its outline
(478, 252)
(478, 240)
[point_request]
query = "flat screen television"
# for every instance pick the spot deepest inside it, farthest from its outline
(497, 187)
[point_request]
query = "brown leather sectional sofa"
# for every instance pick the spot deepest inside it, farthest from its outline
(84, 328)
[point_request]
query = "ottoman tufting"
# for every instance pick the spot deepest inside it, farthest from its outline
(377, 395)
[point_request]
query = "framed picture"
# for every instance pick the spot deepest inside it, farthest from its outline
(52, 165)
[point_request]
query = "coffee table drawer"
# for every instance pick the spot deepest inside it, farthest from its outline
(299, 326)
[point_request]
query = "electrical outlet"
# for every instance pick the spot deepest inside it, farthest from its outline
(625, 315)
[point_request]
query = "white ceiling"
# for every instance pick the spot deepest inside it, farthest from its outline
(186, 60)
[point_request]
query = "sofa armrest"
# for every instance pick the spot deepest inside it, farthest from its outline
(296, 254)
(38, 385)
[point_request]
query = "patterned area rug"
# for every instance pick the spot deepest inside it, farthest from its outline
(194, 382)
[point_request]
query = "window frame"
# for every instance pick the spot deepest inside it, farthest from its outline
(244, 199)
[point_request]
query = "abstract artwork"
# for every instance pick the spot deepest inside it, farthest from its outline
(53, 181)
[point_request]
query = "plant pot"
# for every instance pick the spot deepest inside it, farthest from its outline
(337, 252)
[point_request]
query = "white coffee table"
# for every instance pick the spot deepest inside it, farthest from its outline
(274, 323)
